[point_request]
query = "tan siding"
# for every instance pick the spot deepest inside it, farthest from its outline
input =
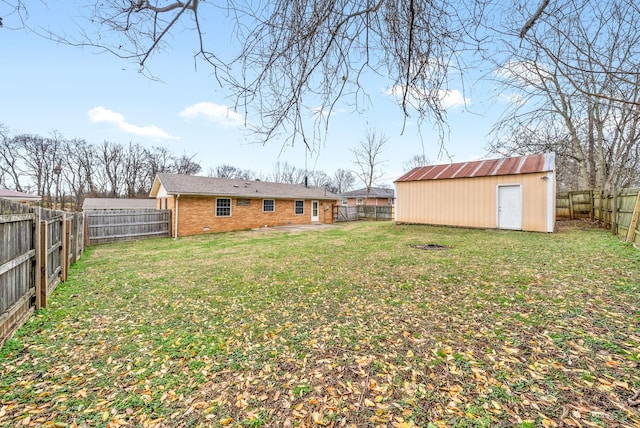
(197, 215)
(470, 202)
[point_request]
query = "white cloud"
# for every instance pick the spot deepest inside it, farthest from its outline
(216, 113)
(452, 98)
(101, 114)
(449, 98)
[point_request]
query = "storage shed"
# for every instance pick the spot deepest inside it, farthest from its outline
(515, 193)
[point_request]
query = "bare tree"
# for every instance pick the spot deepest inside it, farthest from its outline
(578, 76)
(111, 168)
(318, 179)
(342, 181)
(134, 171)
(157, 159)
(186, 164)
(40, 157)
(415, 162)
(284, 172)
(367, 159)
(294, 58)
(11, 161)
(74, 176)
(229, 171)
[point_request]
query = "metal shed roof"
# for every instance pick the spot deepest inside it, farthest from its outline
(483, 168)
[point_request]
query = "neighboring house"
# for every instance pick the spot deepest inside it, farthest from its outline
(15, 196)
(207, 204)
(118, 204)
(511, 193)
(378, 196)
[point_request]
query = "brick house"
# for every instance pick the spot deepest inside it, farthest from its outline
(206, 204)
(378, 196)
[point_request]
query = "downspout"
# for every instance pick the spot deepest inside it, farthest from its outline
(175, 229)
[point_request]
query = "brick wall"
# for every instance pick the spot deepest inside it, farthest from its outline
(197, 215)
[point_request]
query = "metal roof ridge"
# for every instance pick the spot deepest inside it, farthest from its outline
(497, 168)
(443, 170)
(521, 163)
(480, 163)
(462, 166)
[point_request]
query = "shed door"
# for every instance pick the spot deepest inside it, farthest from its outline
(510, 207)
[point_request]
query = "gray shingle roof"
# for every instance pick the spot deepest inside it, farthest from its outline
(17, 196)
(117, 204)
(376, 192)
(177, 184)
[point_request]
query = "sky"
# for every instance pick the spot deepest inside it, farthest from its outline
(82, 93)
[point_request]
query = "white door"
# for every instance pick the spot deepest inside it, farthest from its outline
(314, 211)
(510, 207)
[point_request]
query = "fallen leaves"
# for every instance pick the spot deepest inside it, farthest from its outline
(345, 328)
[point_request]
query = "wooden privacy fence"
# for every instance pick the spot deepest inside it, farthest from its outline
(36, 249)
(363, 212)
(105, 226)
(618, 210)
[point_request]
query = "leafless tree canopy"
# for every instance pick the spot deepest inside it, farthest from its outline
(368, 158)
(574, 78)
(296, 59)
(415, 162)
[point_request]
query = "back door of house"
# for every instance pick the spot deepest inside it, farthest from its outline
(510, 207)
(314, 211)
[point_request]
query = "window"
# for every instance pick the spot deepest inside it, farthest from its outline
(359, 201)
(268, 205)
(223, 207)
(299, 209)
(390, 201)
(243, 202)
(345, 202)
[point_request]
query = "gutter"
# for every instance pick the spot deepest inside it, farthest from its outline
(175, 229)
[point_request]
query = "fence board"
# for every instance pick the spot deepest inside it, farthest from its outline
(17, 265)
(363, 212)
(104, 226)
(32, 259)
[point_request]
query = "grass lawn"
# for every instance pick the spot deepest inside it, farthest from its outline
(349, 326)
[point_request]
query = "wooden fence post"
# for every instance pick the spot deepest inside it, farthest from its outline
(571, 212)
(41, 296)
(634, 221)
(64, 260)
(614, 213)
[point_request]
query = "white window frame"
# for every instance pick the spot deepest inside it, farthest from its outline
(295, 207)
(220, 207)
(345, 202)
(359, 201)
(273, 206)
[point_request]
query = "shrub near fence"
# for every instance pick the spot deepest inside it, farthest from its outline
(35, 254)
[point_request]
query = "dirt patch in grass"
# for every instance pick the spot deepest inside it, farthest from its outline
(348, 326)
